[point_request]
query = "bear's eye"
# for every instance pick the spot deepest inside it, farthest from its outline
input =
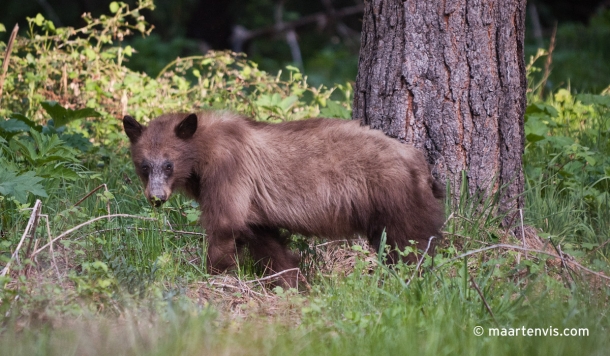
(168, 167)
(145, 169)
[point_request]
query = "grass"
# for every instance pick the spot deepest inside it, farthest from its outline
(131, 286)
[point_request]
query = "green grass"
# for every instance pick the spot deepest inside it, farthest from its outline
(362, 314)
(132, 286)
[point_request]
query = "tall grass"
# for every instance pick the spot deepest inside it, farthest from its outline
(133, 286)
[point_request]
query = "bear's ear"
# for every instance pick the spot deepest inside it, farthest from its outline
(132, 128)
(187, 127)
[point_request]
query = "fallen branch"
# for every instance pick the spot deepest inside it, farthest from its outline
(175, 232)
(91, 193)
(421, 259)
(241, 288)
(31, 222)
(68, 232)
(476, 286)
(513, 247)
(274, 275)
(51, 246)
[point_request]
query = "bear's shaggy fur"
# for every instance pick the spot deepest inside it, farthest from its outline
(319, 177)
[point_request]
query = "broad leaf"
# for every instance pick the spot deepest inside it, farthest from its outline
(61, 116)
(11, 127)
(592, 99)
(334, 109)
(18, 186)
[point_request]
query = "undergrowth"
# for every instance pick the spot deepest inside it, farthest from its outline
(132, 279)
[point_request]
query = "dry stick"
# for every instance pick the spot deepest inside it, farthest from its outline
(68, 232)
(175, 232)
(333, 242)
(421, 260)
(600, 246)
(275, 275)
(33, 234)
(474, 284)
(523, 232)
(514, 247)
(51, 245)
(91, 193)
(7, 55)
(213, 283)
(33, 217)
(563, 261)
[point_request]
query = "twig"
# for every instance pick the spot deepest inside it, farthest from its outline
(274, 275)
(514, 247)
(33, 234)
(600, 246)
(31, 221)
(447, 220)
(523, 232)
(7, 55)
(421, 259)
(68, 232)
(51, 246)
(175, 232)
(563, 261)
(474, 284)
(331, 242)
(241, 288)
(91, 193)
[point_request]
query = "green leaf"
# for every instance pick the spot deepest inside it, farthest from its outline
(563, 95)
(11, 127)
(61, 116)
(78, 141)
(2, 28)
(292, 68)
(334, 109)
(18, 186)
(535, 130)
(287, 103)
(58, 171)
(541, 108)
(39, 19)
(45, 149)
(114, 7)
(591, 99)
(128, 51)
(26, 120)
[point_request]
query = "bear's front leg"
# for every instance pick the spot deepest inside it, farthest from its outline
(221, 252)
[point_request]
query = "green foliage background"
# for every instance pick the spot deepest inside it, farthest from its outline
(60, 140)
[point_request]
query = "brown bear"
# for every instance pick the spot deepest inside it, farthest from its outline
(319, 177)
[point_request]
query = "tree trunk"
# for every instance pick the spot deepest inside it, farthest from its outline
(448, 76)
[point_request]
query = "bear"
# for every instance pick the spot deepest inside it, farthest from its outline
(257, 182)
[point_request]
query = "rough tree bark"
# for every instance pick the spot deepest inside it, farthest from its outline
(448, 76)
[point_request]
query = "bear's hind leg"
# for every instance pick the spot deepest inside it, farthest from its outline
(269, 247)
